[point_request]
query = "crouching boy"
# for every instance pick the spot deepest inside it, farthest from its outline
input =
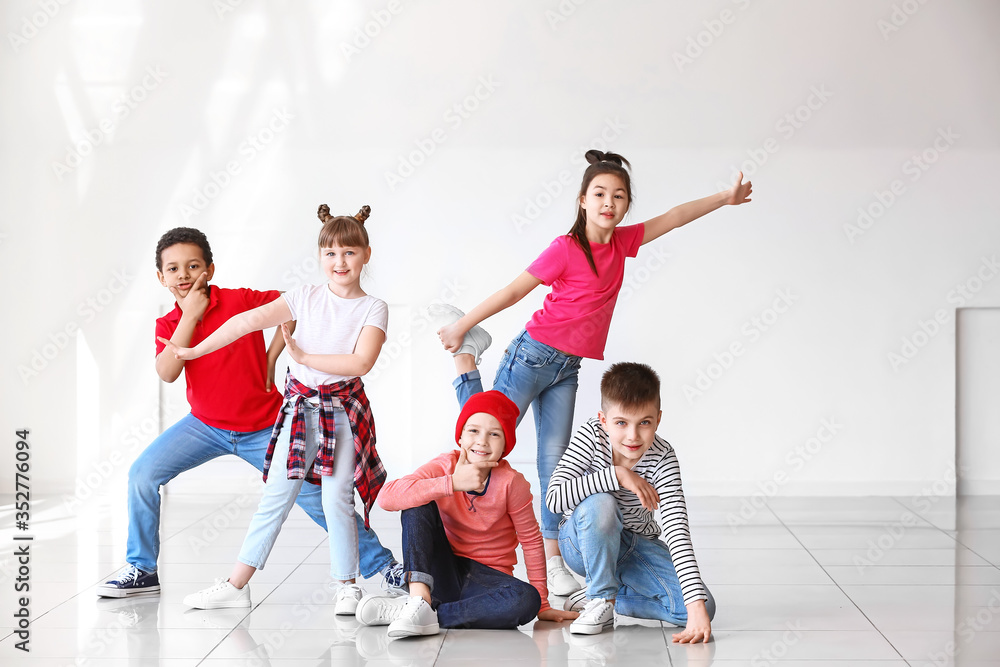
(464, 513)
(614, 474)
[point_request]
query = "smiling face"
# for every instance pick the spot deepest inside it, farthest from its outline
(482, 438)
(630, 430)
(605, 202)
(182, 264)
(342, 266)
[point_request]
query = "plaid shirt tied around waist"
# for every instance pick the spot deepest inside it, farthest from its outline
(369, 474)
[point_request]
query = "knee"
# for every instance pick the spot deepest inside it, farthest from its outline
(142, 476)
(423, 515)
(522, 604)
(599, 512)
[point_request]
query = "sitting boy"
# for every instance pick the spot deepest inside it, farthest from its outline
(464, 513)
(233, 408)
(614, 473)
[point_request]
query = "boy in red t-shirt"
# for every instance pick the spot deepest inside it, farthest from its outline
(233, 408)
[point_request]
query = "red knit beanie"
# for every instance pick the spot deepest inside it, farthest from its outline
(492, 403)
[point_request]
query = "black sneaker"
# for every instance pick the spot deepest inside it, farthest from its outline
(130, 581)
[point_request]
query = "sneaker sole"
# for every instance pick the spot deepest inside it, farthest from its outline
(125, 593)
(589, 629)
(229, 604)
(415, 630)
(346, 610)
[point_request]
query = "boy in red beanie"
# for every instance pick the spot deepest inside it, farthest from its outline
(464, 513)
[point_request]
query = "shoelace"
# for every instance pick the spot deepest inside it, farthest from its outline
(593, 608)
(394, 577)
(128, 576)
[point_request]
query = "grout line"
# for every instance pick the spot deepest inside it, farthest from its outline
(955, 537)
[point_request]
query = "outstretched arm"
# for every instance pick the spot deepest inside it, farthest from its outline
(269, 315)
(452, 335)
(357, 363)
(680, 215)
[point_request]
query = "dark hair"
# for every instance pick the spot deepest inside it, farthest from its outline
(630, 385)
(343, 230)
(600, 163)
(183, 235)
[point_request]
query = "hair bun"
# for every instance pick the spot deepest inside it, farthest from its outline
(594, 156)
(324, 213)
(363, 214)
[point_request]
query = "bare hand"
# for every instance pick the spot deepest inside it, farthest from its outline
(451, 336)
(471, 476)
(183, 353)
(294, 351)
(557, 615)
(195, 303)
(699, 627)
(645, 491)
(740, 192)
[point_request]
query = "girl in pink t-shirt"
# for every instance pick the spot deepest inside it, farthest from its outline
(585, 269)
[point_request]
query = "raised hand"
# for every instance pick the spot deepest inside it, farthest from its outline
(294, 351)
(645, 491)
(195, 302)
(182, 353)
(740, 192)
(471, 476)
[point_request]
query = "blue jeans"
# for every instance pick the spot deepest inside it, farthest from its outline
(337, 492)
(186, 445)
(535, 374)
(637, 571)
(465, 593)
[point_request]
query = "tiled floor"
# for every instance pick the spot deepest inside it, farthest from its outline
(799, 581)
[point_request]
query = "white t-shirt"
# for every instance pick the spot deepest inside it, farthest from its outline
(328, 324)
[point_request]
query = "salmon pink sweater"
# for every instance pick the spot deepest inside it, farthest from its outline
(484, 528)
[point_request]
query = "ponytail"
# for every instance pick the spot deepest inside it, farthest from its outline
(600, 163)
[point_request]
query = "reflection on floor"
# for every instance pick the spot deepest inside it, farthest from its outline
(799, 581)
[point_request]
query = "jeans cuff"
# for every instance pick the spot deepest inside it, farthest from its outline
(420, 578)
(550, 534)
(465, 377)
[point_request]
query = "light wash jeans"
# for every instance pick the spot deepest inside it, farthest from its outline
(637, 571)
(337, 493)
(186, 445)
(535, 374)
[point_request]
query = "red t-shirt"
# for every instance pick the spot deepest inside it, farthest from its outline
(226, 388)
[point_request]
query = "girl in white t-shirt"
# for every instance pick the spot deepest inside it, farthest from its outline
(585, 269)
(324, 433)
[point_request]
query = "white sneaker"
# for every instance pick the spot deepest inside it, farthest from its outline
(348, 596)
(576, 601)
(560, 580)
(476, 339)
(595, 617)
(415, 618)
(222, 595)
(380, 609)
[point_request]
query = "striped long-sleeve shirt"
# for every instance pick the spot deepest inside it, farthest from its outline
(587, 468)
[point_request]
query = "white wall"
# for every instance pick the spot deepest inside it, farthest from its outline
(552, 80)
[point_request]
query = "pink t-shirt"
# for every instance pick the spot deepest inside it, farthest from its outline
(576, 314)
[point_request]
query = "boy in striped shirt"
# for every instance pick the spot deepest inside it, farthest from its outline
(619, 488)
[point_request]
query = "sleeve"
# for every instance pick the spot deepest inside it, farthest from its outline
(429, 482)
(673, 520)
(551, 263)
(580, 472)
(631, 238)
(165, 329)
(254, 299)
(378, 316)
(295, 298)
(522, 515)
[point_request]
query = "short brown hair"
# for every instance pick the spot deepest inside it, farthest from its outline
(345, 231)
(630, 385)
